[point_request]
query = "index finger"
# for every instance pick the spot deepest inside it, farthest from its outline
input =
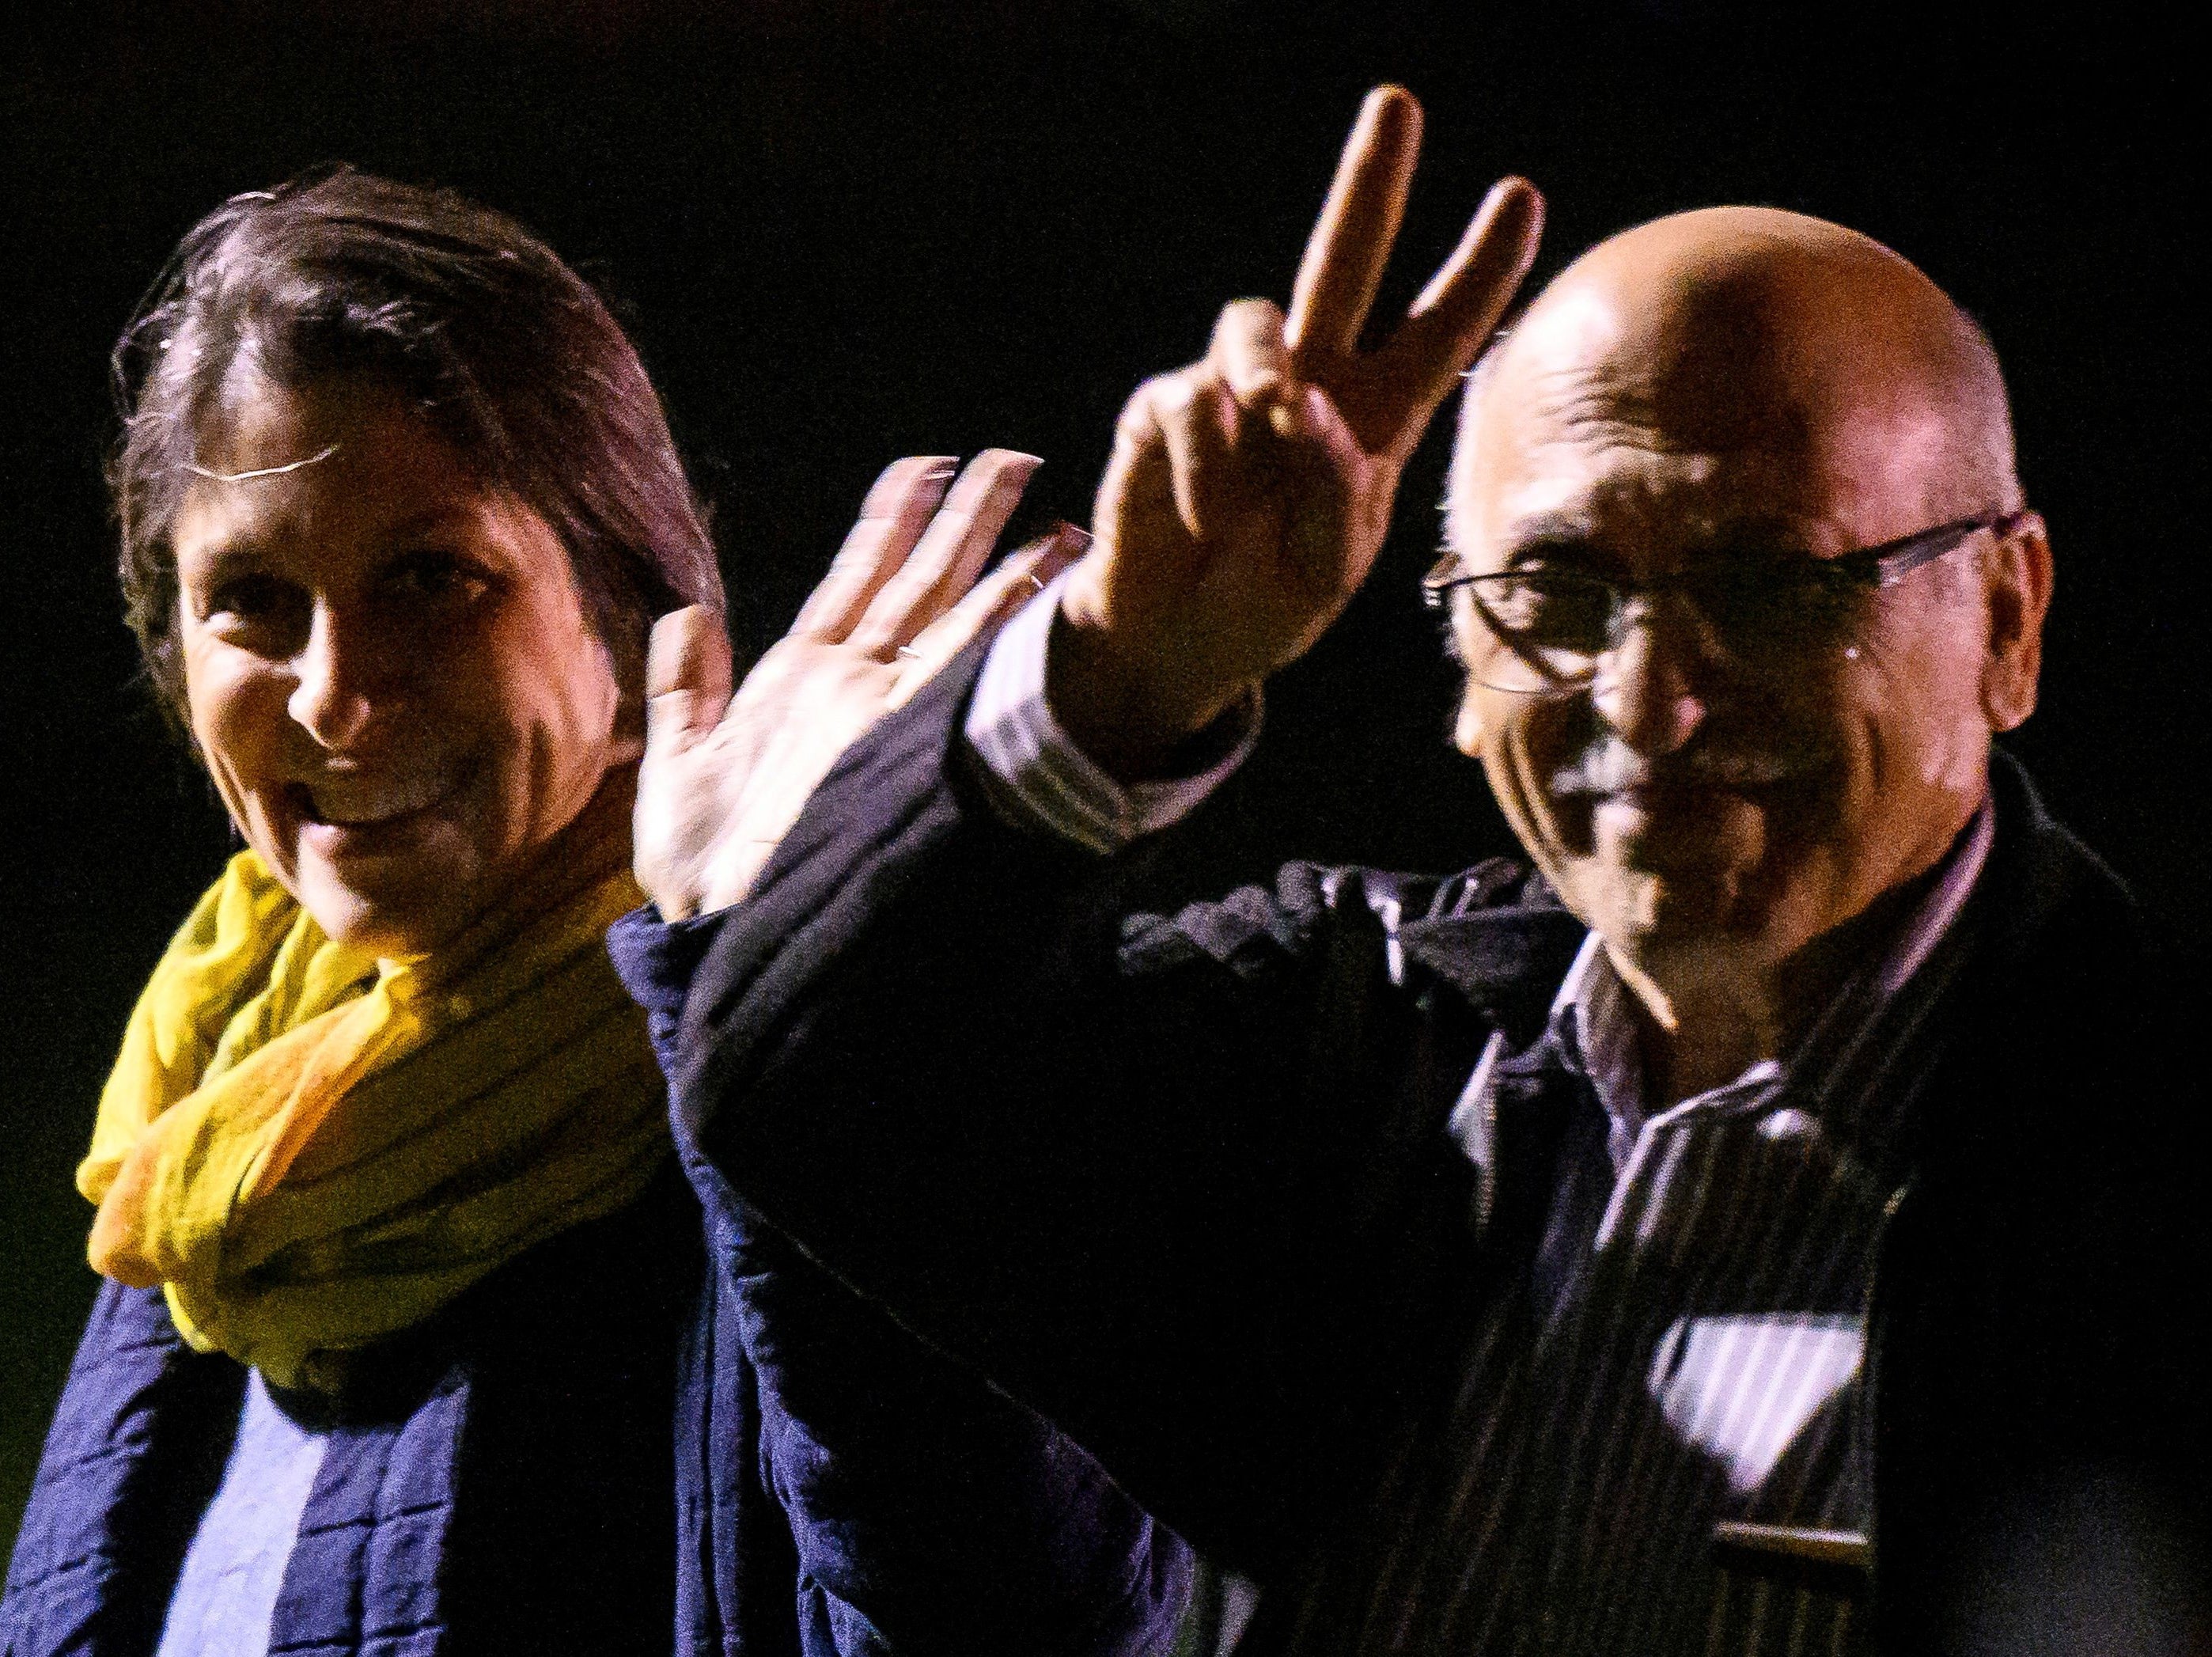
(1349, 245)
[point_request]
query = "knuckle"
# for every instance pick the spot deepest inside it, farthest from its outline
(1251, 317)
(1139, 422)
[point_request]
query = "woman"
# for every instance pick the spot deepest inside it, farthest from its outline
(407, 1309)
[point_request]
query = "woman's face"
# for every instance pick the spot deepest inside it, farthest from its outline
(388, 666)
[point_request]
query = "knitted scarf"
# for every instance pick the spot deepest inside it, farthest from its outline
(310, 1150)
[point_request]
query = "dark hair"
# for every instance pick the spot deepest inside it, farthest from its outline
(509, 355)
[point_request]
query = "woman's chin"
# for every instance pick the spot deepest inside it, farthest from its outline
(389, 906)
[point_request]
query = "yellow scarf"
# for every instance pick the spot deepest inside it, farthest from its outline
(310, 1150)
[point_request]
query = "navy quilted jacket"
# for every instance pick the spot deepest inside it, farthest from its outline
(502, 1479)
(498, 1480)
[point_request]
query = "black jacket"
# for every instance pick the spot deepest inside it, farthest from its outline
(1183, 1184)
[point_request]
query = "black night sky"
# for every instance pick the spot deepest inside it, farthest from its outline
(842, 230)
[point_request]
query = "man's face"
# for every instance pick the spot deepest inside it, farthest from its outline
(389, 669)
(1706, 807)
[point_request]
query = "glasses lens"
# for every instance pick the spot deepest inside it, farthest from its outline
(1548, 627)
(1764, 616)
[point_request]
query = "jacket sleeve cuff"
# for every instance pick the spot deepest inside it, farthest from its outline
(1036, 776)
(656, 960)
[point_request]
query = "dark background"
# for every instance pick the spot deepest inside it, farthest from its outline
(843, 231)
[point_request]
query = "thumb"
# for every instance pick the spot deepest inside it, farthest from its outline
(687, 679)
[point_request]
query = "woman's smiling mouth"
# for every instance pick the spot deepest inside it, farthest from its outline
(342, 815)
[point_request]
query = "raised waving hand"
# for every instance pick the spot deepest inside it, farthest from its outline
(1248, 493)
(1247, 498)
(725, 775)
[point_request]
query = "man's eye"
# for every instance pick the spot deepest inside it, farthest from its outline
(1779, 607)
(1548, 602)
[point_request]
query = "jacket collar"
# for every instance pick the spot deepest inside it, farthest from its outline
(1507, 961)
(2037, 865)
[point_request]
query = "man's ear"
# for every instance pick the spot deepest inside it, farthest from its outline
(2020, 577)
(1467, 725)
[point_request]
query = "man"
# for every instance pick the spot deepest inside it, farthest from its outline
(1763, 1228)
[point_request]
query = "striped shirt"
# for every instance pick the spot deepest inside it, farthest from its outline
(1660, 1424)
(1684, 1365)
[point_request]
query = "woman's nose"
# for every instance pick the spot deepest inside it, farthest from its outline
(1646, 685)
(342, 684)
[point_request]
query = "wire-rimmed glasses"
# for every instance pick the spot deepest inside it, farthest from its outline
(1550, 624)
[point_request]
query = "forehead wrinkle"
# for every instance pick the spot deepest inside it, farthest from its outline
(1590, 437)
(1672, 404)
(264, 513)
(1619, 483)
(1631, 512)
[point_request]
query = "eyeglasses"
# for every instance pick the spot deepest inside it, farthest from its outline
(1552, 625)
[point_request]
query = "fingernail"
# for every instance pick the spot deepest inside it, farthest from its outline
(1015, 470)
(1060, 545)
(895, 480)
(1393, 102)
(1521, 198)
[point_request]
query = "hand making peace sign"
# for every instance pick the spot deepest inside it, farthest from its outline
(1246, 500)
(1248, 494)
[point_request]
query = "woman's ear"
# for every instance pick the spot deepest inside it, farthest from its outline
(625, 662)
(627, 743)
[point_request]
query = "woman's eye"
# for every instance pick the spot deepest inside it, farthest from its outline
(248, 597)
(438, 575)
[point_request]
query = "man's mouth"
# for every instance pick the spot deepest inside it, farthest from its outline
(1620, 774)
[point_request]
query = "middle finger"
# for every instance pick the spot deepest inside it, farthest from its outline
(891, 521)
(951, 553)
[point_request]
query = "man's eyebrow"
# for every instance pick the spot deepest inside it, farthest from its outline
(1766, 533)
(1555, 534)
(1544, 532)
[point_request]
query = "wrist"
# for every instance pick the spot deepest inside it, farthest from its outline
(1134, 721)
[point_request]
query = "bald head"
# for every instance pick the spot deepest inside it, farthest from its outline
(1749, 332)
(1714, 404)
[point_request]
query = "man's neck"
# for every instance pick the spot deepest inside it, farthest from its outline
(1695, 1036)
(1703, 1022)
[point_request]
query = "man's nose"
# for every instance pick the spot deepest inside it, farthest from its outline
(342, 681)
(1646, 685)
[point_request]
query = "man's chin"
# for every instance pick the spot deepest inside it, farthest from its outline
(1683, 911)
